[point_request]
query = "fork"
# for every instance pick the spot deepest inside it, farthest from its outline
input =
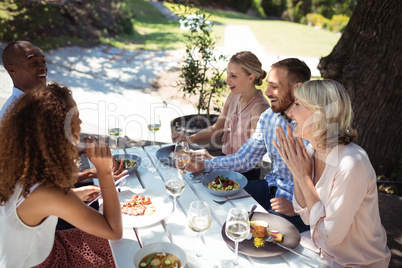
(224, 201)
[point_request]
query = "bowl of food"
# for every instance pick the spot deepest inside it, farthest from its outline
(161, 254)
(224, 183)
(131, 161)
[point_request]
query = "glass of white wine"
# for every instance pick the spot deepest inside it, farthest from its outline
(237, 229)
(115, 130)
(199, 218)
(181, 155)
(154, 125)
(174, 185)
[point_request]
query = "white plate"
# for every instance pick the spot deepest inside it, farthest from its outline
(163, 208)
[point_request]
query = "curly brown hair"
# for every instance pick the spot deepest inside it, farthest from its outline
(34, 145)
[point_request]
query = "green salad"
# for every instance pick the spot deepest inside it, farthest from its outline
(128, 163)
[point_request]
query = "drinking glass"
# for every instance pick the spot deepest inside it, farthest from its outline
(181, 155)
(115, 129)
(199, 218)
(237, 228)
(154, 125)
(174, 185)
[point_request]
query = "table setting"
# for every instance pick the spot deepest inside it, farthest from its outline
(192, 218)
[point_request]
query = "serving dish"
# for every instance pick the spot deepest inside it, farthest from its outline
(160, 247)
(129, 156)
(232, 175)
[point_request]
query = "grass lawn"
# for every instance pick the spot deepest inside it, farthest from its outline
(154, 31)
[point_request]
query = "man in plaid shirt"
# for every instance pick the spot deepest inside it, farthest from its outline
(275, 192)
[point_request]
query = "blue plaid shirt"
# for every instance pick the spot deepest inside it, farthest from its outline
(252, 151)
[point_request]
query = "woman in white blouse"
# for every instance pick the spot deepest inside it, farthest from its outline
(335, 190)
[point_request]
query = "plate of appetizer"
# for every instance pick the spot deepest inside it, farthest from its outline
(224, 183)
(141, 208)
(263, 225)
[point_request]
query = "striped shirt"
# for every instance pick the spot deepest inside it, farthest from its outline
(252, 151)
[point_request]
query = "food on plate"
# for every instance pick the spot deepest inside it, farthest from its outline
(260, 233)
(128, 163)
(160, 260)
(223, 184)
(275, 234)
(138, 205)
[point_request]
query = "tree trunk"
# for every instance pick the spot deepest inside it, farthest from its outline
(367, 60)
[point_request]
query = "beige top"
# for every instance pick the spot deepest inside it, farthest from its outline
(238, 122)
(345, 224)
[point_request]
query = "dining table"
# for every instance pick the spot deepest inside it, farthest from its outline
(208, 250)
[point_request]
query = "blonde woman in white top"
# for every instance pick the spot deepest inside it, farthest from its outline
(335, 190)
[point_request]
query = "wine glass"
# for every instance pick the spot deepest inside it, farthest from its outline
(237, 228)
(181, 155)
(174, 185)
(199, 218)
(155, 125)
(115, 130)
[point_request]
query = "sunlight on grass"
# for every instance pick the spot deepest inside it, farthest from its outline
(275, 37)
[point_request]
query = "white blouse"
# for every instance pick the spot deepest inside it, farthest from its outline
(22, 245)
(345, 224)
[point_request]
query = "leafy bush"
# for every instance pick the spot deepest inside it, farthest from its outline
(78, 21)
(319, 20)
(256, 6)
(338, 23)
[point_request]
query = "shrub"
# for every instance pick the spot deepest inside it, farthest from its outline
(78, 21)
(338, 23)
(256, 6)
(318, 20)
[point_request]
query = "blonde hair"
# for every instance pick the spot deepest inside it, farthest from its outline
(250, 64)
(332, 111)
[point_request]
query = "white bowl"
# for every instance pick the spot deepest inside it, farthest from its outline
(232, 175)
(160, 247)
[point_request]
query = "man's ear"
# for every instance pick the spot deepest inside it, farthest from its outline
(296, 85)
(10, 69)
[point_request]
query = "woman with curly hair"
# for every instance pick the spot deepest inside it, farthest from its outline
(335, 189)
(38, 169)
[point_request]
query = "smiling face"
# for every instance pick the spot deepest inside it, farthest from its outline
(279, 91)
(27, 66)
(304, 119)
(237, 79)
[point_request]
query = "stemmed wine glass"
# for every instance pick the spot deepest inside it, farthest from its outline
(181, 155)
(115, 130)
(199, 218)
(154, 125)
(174, 185)
(237, 228)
